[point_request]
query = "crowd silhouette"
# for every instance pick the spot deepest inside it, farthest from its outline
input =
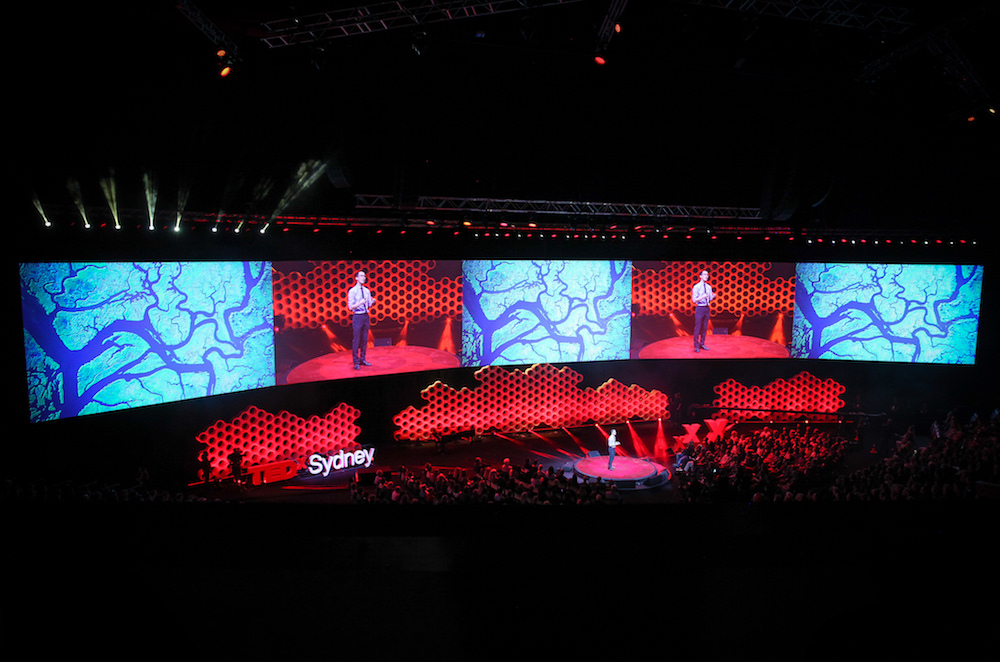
(483, 484)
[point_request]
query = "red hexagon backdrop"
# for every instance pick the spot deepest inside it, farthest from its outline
(512, 400)
(781, 400)
(264, 437)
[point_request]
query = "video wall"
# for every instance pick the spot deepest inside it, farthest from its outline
(101, 337)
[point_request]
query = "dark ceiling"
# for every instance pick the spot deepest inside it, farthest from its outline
(697, 104)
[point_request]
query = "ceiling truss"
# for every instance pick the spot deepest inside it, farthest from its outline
(383, 16)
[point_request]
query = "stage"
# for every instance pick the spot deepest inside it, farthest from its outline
(384, 361)
(719, 347)
(626, 473)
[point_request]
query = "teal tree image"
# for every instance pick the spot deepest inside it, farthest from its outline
(543, 311)
(910, 313)
(107, 336)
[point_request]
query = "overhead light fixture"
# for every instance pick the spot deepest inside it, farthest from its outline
(225, 62)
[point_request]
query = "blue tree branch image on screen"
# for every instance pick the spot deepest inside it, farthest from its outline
(908, 313)
(107, 336)
(531, 311)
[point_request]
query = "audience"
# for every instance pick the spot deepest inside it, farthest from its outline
(769, 465)
(483, 484)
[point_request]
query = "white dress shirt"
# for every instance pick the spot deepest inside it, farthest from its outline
(359, 299)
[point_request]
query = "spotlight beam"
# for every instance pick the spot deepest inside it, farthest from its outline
(77, 194)
(110, 188)
(149, 186)
(41, 212)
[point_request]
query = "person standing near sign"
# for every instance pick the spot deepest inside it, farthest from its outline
(702, 296)
(613, 444)
(359, 301)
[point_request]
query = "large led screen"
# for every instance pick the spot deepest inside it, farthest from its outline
(910, 313)
(411, 321)
(545, 311)
(101, 337)
(107, 336)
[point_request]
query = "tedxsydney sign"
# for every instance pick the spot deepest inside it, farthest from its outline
(324, 464)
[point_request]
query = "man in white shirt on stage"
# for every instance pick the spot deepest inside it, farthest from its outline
(702, 295)
(613, 444)
(359, 301)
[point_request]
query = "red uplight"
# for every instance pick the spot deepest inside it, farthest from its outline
(599, 59)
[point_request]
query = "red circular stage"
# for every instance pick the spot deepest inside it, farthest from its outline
(626, 472)
(384, 361)
(719, 347)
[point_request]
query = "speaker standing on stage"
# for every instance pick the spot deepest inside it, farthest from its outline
(613, 443)
(359, 301)
(702, 295)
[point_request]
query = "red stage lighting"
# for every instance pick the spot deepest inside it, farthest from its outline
(599, 59)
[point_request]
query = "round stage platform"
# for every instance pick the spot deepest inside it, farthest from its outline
(384, 361)
(719, 347)
(626, 473)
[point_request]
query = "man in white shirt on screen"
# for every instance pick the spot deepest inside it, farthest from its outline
(702, 296)
(359, 301)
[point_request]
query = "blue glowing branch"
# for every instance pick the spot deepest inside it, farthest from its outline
(905, 313)
(533, 311)
(119, 335)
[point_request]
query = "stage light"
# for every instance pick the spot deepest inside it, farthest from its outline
(225, 63)
(41, 212)
(77, 193)
(599, 59)
(108, 185)
(149, 186)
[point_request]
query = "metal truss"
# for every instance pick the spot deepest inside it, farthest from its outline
(383, 16)
(207, 27)
(607, 29)
(605, 210)
(939, 43)
(840, 13)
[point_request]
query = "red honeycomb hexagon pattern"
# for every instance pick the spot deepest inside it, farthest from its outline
(512, 400)
(782, 399)
(742, 288)
(403, 290)
(264, 437)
